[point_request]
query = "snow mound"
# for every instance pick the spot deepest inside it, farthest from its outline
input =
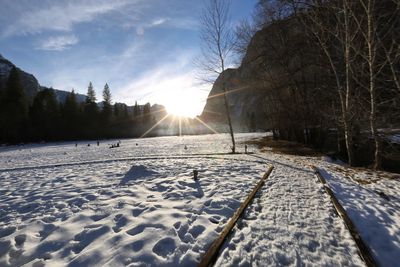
(137, 172)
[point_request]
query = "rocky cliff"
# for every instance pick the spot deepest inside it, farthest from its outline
(245, 93)
(29, 83)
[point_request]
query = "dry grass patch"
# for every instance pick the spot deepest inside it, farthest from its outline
(284, 147)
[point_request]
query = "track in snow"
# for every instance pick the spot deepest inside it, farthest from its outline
(152, 157)
(290, 223)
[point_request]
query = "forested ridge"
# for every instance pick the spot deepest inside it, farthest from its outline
(44, 118)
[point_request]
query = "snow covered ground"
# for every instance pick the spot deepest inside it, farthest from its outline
(138, 205)
(291, 223)
(372, 202)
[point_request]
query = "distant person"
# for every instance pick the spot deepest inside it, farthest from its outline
(186, 147)
(98, 143)
(76, 144)
(245, 149)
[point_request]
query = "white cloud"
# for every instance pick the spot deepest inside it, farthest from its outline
(57, 15)
(58, 43)
(178, 23)
(159, 21)
(141, 28)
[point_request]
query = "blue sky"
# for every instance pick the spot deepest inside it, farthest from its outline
(144, 49)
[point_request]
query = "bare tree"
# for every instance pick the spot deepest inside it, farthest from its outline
(218, 43)
(376, 22)
(330, 24)
(244, 31)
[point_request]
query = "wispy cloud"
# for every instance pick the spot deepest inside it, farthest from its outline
(140, 28)
(58, 43)
(55, 15)
(167, 22)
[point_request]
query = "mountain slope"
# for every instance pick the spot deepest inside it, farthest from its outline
(29, 83)
(245, 95)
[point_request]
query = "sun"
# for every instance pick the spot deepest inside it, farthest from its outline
(180, 108)
(181, 95)
(182, 103)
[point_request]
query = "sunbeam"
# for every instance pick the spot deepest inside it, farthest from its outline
(212, 112)
(155, 125)
(228, 92)
(180, 125)
(151, 113)
(205, 124)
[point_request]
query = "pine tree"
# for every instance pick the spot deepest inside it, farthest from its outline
(136, 110)
(107, 94)
(2, 114)
(70, 115)
(107, 108)
(117, 110)
(147, 113)
(125, 112)
(15, 110)
(146, 109)
(91, 113)
(44, 115)
(91, 94)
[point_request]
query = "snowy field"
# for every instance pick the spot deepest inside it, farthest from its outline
(138, 205)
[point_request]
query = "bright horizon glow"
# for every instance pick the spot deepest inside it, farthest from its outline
(182, 105)
(180, 93)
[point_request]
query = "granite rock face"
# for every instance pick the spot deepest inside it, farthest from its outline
(245, 93)
(29, 83)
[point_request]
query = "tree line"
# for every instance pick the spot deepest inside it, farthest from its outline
(44, 118)
(328, 69)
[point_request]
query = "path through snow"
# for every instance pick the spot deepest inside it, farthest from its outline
(290, 223)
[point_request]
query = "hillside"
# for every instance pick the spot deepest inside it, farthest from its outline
(30, 84)
(245, 97)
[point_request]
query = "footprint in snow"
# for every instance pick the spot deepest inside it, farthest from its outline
(121, 221)
(137, 245)
(177, 225)
(313, 245)
(7, 231)
(165, 247)
(87, 236)
(90, 197)
(5, 247)
(48, 228)
(197, 230)
(140, 228)
(98, 217)
(137, 211)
